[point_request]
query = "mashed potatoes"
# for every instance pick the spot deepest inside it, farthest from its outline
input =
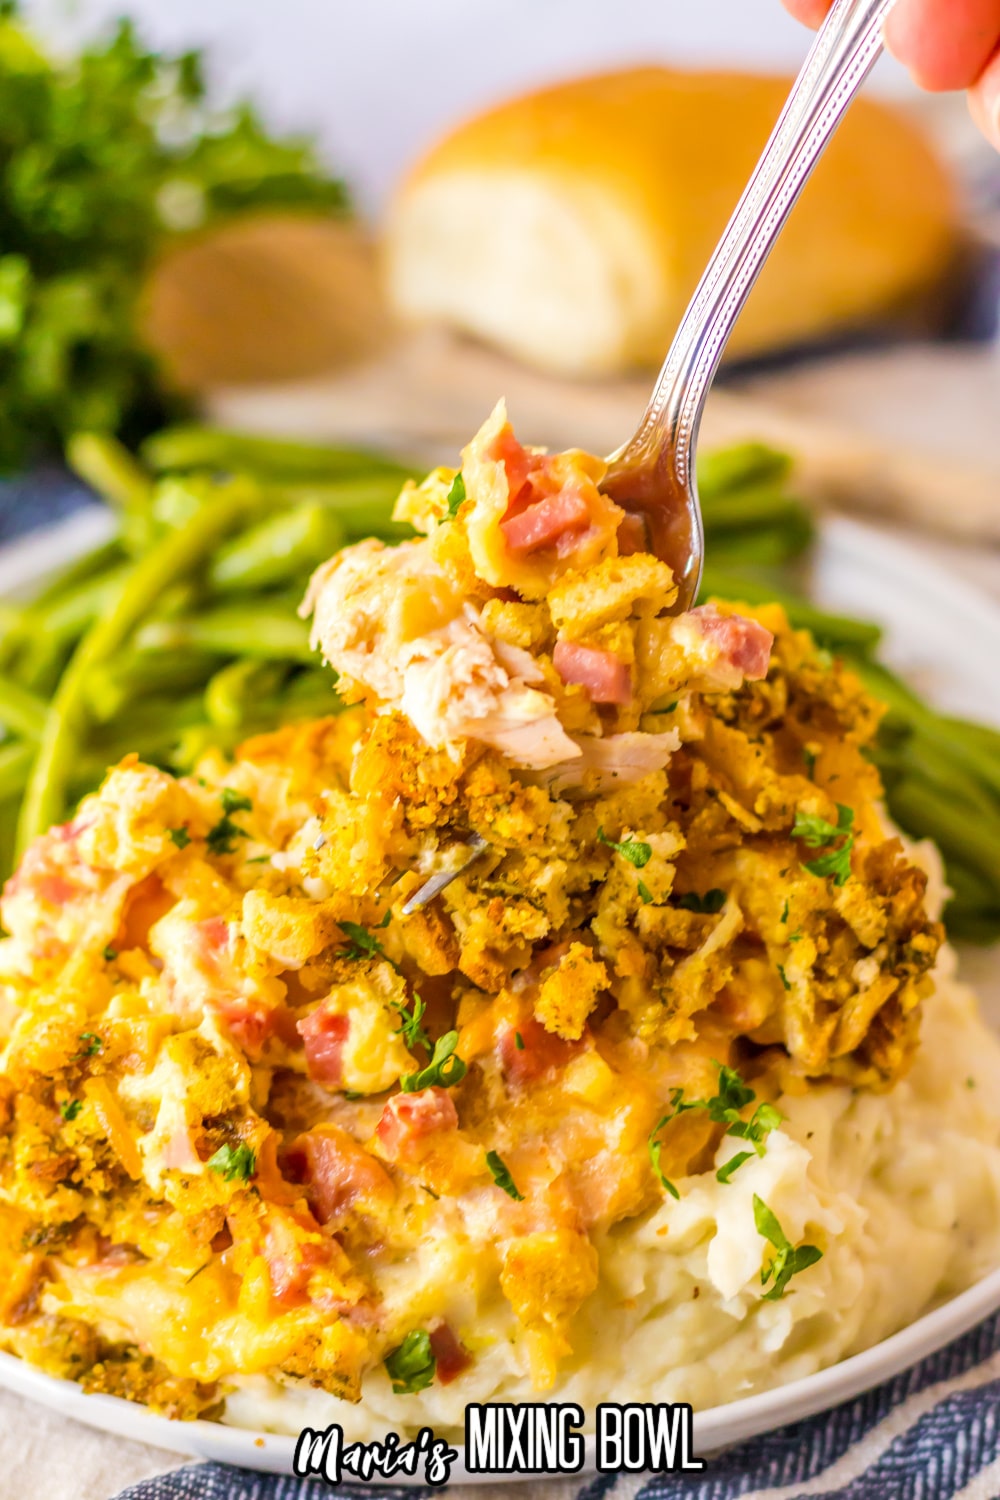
(636, 1102)
(907, 1186)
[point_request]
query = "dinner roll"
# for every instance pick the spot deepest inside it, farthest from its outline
(571, 226)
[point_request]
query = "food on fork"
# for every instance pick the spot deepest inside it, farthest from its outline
(672, 1088)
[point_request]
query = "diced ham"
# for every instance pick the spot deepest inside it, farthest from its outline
(291, 1260)
(544, 523)
(338, 1173)
(605, 678)
(539, 1052)
(409, 1121)
(249, 1022)
(743, 645)
(324, 1033)
(450, 1358)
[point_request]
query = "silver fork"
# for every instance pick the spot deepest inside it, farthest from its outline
(653, 475)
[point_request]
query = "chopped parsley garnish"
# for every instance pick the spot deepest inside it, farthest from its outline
(180, 836)
(784, 912)
(109, 954)
(233, 801)
(668, 710)
(501, 1176)
(233, 1163)
(455, 497)
(444, 1069)
(809, 758)
(789, 1260)
(816, 832)
(783, 976)
(220, 838)
(362, 943)
(731, 1096)
(634, 850)
(645, 894)
(518, 1041)
(410, 1029)
(412, 1366)
(70, 1108)
(709, 904)
(93, 1045)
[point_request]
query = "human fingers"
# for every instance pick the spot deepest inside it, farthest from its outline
(811, 12)
(946, 44)
(984, 101)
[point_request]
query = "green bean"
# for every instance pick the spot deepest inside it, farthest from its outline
(282, 546)
(195, 447)
(15, 766)
(363, 506)
(103, 463)
(738, 468)
(21, 712)
(763, 546)
(262, 633)
(925, 809)
(67, 617)
(171, 559)
(136, 674)
(81, 570)
(741, 510)
(231, 694)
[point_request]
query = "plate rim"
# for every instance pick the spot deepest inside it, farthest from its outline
(27, 561)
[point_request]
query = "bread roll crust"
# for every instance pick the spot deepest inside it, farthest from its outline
(571, 226)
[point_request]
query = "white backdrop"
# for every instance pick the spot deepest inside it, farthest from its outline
(379, 79)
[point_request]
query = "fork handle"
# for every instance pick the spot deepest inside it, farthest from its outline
(841, 57)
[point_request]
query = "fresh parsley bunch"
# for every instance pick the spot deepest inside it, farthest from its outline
(103, 159)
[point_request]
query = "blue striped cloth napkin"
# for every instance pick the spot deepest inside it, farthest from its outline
(932, 1433)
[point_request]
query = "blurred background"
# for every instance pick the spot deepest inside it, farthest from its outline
(378, 82)
(282, 257)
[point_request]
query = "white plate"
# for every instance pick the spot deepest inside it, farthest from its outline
(945, 636)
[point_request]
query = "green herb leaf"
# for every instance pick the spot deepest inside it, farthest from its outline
(518, 1041)
(501, 1176)
(410, 1029)
(444, 1070)
(456, 496)
(220, 839)
(816, 832)
(93, 1045)
(109, 954)
(809, 758)
(411, 1367)
(645, 894)
(362, 945)
(783, 977)
(710, 904)
(70, 1108)
(180, 836)
(836, 865)
(634, 850)
(234, 1163)
(732, 1166)
(788, 1260)
(233, 801)
(723, 1108)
